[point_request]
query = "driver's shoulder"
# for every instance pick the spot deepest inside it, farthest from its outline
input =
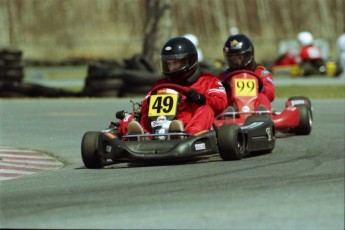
(207, 77)
(206, 82)
(260, 68)
(262, 71)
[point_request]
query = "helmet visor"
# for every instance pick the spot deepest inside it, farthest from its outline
(240, 60)
(174, 63)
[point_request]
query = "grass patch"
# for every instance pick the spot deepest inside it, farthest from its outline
(315, 91)
(56, 72)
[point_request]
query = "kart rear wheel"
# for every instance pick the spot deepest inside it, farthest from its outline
(305, 120)
(302, 98)
(89, 147)
(307, 68)
(231, 142)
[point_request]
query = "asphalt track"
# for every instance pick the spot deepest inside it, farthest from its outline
(299, 186)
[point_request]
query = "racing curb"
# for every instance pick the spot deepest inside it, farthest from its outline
(16, 163)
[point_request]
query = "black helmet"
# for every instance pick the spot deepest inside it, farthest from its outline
(238, 45)
(179, 60)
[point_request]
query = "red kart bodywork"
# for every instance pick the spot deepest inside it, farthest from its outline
(288, 64)
(123, 122)
(286, 119)
(246, 100)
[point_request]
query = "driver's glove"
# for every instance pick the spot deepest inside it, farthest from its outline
(198, 98)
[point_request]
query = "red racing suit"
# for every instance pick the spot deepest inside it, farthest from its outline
(195, 118)
(266, 92)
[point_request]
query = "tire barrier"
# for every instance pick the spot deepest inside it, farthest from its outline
(12, 75)
(33, 90)
(105, 78)
(132, 77)
(11, 66)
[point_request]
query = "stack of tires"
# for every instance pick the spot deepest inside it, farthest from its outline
(131, 77)
(11, 71)
(12, 75)
(138, 77)
(104, 79)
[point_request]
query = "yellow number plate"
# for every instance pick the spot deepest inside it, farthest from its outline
(163, 105)
(245, 87)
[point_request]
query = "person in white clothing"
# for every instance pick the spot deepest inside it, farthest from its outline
(195, 41)
(341, 52)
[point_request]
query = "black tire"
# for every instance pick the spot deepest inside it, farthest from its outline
(135, 77)
(102, 71)
(105, 93)
(11, 65)
(13, 74)
(305, 120)
(231, 142)
(89, 147)
(103, 88)
(106, 84)
(11, 54)
(11, 94)
(128, 90)
(307, 68)
(139, 62)
(105, 74)
(35, 90)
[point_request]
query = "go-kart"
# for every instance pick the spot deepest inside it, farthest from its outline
(296, 118)
(254, 128)
(115, 144)
(287, 64)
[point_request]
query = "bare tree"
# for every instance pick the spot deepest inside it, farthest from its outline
(112, 29)
(5, 21)
(158, 26)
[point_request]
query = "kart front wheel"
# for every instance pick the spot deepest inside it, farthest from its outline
(89, 146)
(231, 142)
(301, 100)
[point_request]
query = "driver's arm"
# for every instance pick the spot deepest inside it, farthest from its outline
(267, 81)
(216, 96)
